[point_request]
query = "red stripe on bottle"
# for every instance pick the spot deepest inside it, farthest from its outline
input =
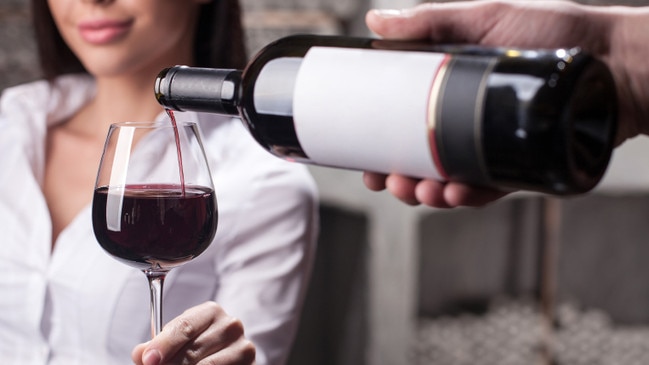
(431, 118)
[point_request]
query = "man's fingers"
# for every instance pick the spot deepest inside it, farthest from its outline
(431, 193)
(403, 188)
(489, 23)
(374, 181)
(438, 22)
(456, 194)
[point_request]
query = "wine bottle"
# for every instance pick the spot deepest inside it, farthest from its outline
(536, 120)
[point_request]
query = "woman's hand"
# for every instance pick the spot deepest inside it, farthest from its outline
(617, 35)
(203, 335)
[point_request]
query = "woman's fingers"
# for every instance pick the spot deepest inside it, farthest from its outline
(197, 335)
(242, 352)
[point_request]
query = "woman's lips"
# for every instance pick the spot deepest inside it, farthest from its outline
(104, 31)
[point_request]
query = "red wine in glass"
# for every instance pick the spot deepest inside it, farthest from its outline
(143, 213)
(160, 226)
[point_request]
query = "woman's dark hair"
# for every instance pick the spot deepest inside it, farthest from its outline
(218, 42)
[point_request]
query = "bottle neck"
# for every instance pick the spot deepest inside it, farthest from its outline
(197, 89)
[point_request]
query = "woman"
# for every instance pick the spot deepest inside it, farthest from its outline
(65, 301)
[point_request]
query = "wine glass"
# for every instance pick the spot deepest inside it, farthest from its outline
(154, 206)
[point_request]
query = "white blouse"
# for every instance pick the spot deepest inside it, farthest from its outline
(78, 305)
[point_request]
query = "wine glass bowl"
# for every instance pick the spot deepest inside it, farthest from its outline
(168, 229)
(154, 205)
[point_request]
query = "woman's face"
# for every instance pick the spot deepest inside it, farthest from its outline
(118, 37)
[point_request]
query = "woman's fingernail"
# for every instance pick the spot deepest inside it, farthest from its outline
(388, 13)
(152, 357)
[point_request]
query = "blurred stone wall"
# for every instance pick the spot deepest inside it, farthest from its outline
(17, 50)
(264, 21)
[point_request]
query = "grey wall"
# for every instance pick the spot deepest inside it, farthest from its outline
(17, 61)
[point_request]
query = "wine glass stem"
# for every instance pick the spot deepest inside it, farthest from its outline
(156, 283)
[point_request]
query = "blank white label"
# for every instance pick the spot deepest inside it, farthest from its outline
(366, 109)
